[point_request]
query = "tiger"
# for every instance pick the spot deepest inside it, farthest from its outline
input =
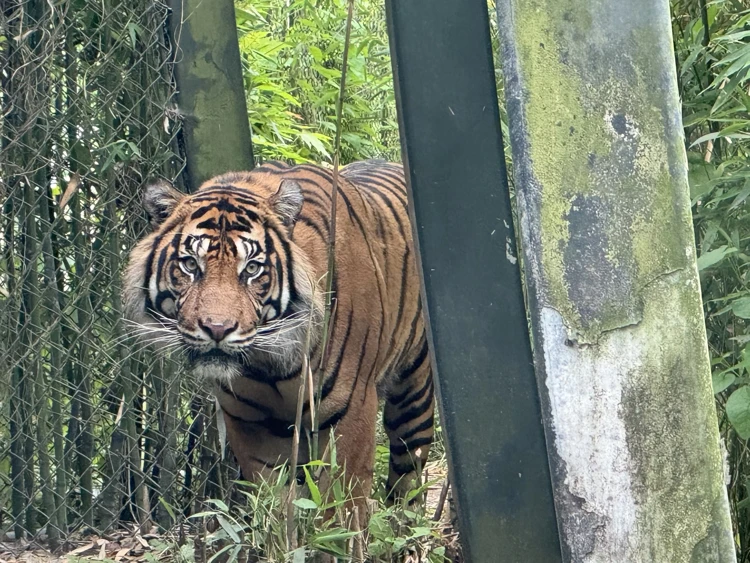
(234, 275)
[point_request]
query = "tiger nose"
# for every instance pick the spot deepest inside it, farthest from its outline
(217, 331)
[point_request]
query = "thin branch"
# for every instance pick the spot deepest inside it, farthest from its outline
(330, 298)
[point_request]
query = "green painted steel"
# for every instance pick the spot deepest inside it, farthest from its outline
(461, 216)
(211, 93)
(601, 179)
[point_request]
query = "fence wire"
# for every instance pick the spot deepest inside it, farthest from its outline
(94, 434)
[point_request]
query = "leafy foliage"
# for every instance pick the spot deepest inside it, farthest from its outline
(257, 525)
(712, 43)
(292, 54)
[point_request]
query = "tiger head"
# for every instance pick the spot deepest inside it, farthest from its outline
(220, 277)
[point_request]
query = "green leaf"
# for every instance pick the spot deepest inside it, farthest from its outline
(168, 508)
(305, 504)
(741, 307)
(312, 140)
(228, 528)
(420, 532)
(218, 554)
(721, 380)
(205, 513)
(314, 491)
(738, 411)
(335, 534)
(708, 259)
(218, 504)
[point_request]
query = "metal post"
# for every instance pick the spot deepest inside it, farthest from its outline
(211, 92)
(620, 345)
(461, 216)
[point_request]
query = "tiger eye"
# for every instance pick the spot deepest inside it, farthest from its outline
(190, 264)
(252, 268)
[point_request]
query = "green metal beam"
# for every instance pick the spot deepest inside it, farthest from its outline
(461, 217)
(620, 344)
(211, 92)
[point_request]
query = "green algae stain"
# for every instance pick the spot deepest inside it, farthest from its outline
(562, 140)
(599, 134)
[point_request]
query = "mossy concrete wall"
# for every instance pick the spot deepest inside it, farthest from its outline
(609, 256)
(211, 90)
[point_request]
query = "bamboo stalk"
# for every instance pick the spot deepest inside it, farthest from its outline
(51, 500)
(18, 496)
(82, 386)
(115, 467)
(80, 404)
(291, 536)
(15, 307)
(29, 333)
(167, 443)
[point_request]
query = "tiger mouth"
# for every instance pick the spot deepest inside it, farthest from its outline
(215, 355)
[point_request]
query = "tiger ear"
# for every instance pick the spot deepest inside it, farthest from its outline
(160, 199)
(287, 202)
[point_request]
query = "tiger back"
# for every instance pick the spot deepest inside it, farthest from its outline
(234, 275)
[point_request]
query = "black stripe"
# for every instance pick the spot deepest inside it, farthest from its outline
(267, 464)
(336, 417)
(245, 401)
(291, 282)
(399, 399)
(273, 167)
(421, 427)
(385, 199)
(353, 217)
(228, 188)
(237, 418)
(361, 359)
(415, 365)
(377, 185)
(418, 395)
(215, 195)
(414, 412)
(322, 172)
(313, 199)
(402, 293)
(160, 265)
(150, 272)
(330, 381)
(389, 174)
(401, 448)
(310, 223)
(277, 427)
(401, 468)
(200, 212)
(270, 379)
(409, 342)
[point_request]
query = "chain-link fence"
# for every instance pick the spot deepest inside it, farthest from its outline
(93, 433)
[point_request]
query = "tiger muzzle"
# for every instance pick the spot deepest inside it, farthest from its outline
(217, 331)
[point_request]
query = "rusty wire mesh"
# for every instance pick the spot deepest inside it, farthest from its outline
(94, 434)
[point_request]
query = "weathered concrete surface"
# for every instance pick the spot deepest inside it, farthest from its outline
(608, 248)
(211, 91)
